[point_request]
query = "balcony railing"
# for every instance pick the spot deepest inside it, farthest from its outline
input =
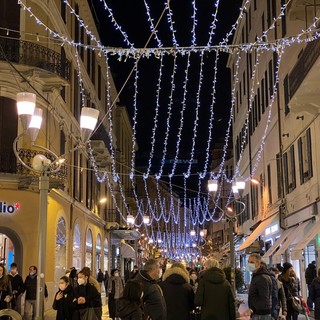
(32, 54)
(304, 64)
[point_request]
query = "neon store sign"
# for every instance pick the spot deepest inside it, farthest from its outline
(9, 208)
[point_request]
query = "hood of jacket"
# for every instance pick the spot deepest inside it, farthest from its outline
(311, 266)
(125, 308)
(176, 275)
(214, 275)
(144, 276)
(261, 271)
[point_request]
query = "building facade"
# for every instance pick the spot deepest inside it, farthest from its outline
(275, 133)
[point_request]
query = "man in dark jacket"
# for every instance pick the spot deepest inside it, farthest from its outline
(154, 304)
(30, 285)
(310, 274)
(260, 290)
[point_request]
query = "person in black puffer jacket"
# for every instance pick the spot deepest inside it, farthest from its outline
(177, 292)
(129, 305)
(310, 274)
(314, 294)
(154, 305)
(214, 294)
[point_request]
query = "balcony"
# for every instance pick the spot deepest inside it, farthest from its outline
(9, 164)
(31, 54)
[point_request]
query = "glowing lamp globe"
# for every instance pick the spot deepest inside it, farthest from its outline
(88, 121)
(40, 162)
(26, 103)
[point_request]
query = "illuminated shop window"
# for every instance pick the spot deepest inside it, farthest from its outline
(98, 253)
(61, 252)
(77, 252)
(89, 247)
(105, 251)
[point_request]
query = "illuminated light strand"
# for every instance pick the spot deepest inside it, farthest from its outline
(183, 103)
(213, 102)
(134, 130)
(271, 103)
(169, 113)
(80, 78)
(196, 122)
(171, 23)
(152, 27)
(116, 24)
(162, 208)
(155, 119)
(213, 24)
(83, 25)
(194, 24)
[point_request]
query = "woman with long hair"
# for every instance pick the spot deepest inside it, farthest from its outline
(129, 305)
(5, 289)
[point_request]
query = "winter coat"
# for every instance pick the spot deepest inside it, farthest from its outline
(93, 300)
(314, 294)
(282, 300)
(178, 294)
(128, 310)
(260, 292)
(215, 296)
(30, 285)
(154, 304)
(64, 306)
(291, 288)
(5, 290)
(115, 289)
(100, 277)
(16, 283)
(310, 273)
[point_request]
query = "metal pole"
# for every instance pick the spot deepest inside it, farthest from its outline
(232, 256)
(43, 208)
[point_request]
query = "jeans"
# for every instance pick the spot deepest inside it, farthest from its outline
(30, 309)
(261, 317)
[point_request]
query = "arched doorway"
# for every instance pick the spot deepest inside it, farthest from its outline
(11, 249)
(61, 250)
(77, 252)
(89, 248)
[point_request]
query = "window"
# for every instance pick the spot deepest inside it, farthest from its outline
(269, 184)
(266, 88)
(63, 11)
(105, 252)
(269, 13)
(77, 251)
(244, 83)
(76, 96)
(98, 253)
(263, 106)
(279, 176)
(255, 200)
(76, 25)
(284, 20)
(305, 157)
(99, 82)
(240, 93)
(61, 251)
(263, 26)
(89, 247)
(76, 176)
(289, 170)
(286, 95)
(270, 67)
(255, 4)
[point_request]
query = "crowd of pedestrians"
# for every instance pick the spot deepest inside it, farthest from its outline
(171, 293)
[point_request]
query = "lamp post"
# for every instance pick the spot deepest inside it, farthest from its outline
(237, 189)
(31, 119)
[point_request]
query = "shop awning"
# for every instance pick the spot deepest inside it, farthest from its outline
(125, 234)
(279, 241)
(296, 253)
(127, 251)
(257, 232)
(294, 233)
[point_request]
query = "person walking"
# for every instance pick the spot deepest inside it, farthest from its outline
(310, 275)
(105, 281)
(100, 278)
(63, 300)
(5, 288)
(260, 289)
(17, 287)
(291, 288)
(214, 294)
(154, 305)
(129, 305)
(177, 292)
(115, 290)
(282, 301)
(193, 280)
(314, 294)
(87, 298)
(30, 286)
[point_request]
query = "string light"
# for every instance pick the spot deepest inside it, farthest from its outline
(171, 24)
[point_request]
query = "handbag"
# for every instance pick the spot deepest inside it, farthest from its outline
(296, 304)
(88, 314)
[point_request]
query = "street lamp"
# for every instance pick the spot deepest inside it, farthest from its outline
(238, 187)
(31, 119)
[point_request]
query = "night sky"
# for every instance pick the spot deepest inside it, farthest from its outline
(131, 15)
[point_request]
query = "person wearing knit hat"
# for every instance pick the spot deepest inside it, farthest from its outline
(286, 267)
(291, 288)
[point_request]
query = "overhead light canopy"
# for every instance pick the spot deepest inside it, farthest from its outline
(192, 233)
(146, 219)
(88, 121)
(130, 219)
(26, 103)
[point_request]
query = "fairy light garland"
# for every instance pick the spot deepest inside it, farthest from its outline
(171, 24)
(213, 23)
(194, 24)
(152, 27)
(169, 113)
(155, 119)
